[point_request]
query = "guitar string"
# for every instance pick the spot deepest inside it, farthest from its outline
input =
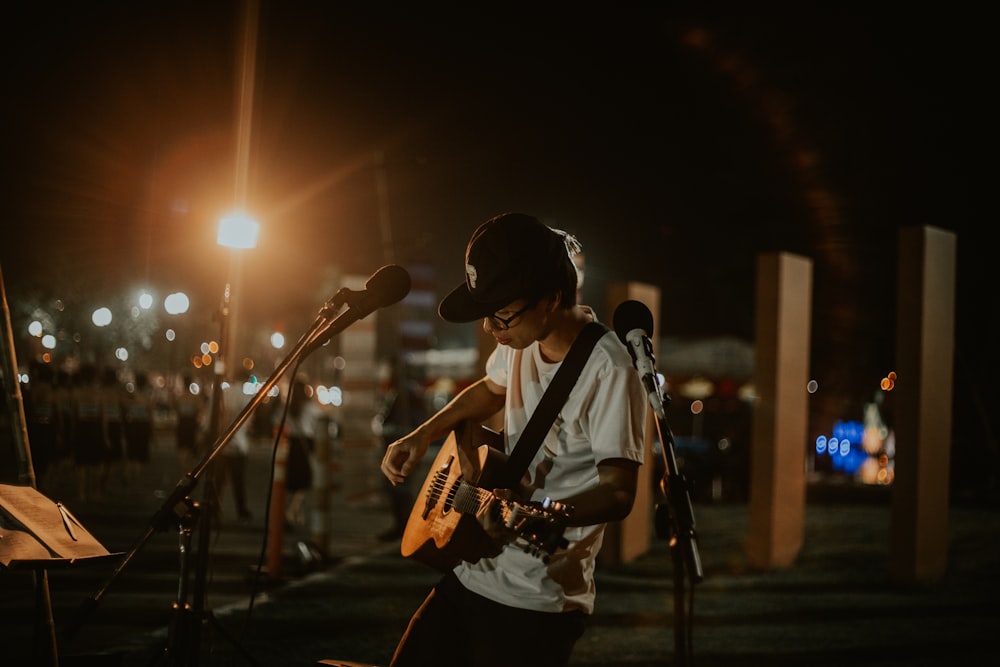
(465, 497)
(469, 499)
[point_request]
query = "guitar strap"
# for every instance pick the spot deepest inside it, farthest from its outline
(541, 420)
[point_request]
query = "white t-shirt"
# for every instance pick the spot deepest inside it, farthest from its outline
(604, 417)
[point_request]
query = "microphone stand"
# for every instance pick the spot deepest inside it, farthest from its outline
(675, 521)
(179, 511)
(184, 636)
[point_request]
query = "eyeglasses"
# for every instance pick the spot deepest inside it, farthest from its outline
(503, 323)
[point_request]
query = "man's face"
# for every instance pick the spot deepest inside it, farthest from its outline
(518, 324)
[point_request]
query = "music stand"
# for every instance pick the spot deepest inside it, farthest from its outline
(39, 534)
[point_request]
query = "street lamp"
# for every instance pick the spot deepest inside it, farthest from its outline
(237, 231)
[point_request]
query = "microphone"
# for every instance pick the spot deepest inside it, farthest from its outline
(634, 325)
(385, 287)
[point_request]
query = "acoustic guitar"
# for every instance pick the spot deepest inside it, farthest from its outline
(443, 527)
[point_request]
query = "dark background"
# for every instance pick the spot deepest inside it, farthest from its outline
(677, 141)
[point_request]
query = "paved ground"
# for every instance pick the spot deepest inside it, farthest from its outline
(835, 606)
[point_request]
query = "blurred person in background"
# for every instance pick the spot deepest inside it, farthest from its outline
(41, 411)
(189, 410)
(230, 466)
(63, 389)
(300, 426)
(400, 411)
(112, 405)
(90, 445)
(138, 413)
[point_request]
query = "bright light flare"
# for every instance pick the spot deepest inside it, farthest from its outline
(329, 395)
(101, 317)
(888, 383)
(238, 231)
(176, 303)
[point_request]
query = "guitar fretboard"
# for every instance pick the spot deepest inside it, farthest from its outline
(469, 499)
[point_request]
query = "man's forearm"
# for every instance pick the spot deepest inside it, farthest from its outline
(475, 403)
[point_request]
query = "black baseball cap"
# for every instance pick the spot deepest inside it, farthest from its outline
(511, 256)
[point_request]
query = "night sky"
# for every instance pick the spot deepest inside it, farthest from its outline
(677, 144)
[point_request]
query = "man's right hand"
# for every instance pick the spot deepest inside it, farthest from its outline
(476, 402)
(402, 457)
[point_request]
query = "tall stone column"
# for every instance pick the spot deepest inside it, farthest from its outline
(780, 416)
(925, 346)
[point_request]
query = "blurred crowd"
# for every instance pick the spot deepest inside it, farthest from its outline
(91, 429)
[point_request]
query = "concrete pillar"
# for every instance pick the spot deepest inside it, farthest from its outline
(780, 423)
(925, 344)
(628, 539)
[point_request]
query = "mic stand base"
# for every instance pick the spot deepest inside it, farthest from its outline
(183, 644)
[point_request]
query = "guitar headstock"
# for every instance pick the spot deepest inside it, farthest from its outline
(539, 525)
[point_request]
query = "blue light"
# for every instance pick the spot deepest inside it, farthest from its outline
(844, 456)
(848, 430)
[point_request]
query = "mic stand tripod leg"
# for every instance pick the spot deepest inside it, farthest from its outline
(184, 636)
(180, 625)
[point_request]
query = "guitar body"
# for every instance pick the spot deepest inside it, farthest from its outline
(438, 533)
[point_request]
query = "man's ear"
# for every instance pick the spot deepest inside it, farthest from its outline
(554, 300)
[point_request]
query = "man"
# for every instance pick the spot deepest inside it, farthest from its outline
(514, 608)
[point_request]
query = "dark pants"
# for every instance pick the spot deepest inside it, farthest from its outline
(457, 628)
(230, 469)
